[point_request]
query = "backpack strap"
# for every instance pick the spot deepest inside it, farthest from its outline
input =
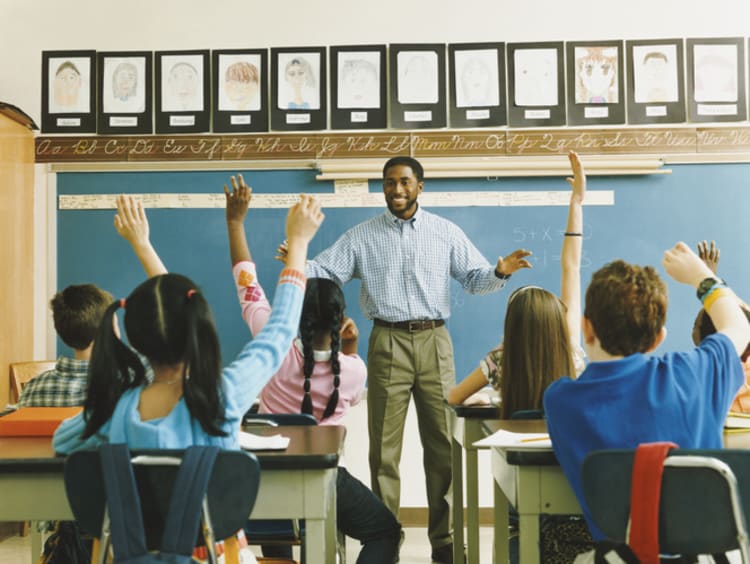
(645, 492)
(186, 501)
(123, 502)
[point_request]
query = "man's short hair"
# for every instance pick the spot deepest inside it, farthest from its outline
(626, 305)
(77, 312)
(414, 164)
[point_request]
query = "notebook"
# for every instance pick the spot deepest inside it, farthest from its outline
(35, 421)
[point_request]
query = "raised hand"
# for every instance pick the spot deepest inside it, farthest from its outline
(682, 264)
(709, 254)
(303, 219)
(238, 199)
(130, 220)
(514, 261)
(132, 225)
(578, 182)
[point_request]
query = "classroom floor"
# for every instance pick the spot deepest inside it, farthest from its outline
(415, 550)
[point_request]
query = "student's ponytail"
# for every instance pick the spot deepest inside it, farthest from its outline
(113, 368)
(200, 381)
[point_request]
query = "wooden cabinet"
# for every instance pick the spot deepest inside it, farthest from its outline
(16, 246)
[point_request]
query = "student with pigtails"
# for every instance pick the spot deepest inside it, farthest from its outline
(321, 375)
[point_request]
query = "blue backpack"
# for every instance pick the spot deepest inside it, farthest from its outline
(182, 519)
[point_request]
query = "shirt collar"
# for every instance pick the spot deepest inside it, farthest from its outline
(318, 356)
(413, 220)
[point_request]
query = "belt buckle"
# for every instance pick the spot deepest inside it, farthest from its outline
(418, 325)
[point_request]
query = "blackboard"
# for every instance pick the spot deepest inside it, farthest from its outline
(650, 213)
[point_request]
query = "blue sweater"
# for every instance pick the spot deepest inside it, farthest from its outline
(678, 397)
(242, 381)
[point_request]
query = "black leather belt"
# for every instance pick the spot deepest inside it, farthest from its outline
(412, 326)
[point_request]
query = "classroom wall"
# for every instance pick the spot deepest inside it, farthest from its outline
(29, 27)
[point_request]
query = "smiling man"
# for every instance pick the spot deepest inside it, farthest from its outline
(405, 258)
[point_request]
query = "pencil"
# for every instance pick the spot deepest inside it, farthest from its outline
(546, 438)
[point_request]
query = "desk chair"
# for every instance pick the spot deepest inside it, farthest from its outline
(701, 490)
(276, 536)
(231, 492)
(22, 372)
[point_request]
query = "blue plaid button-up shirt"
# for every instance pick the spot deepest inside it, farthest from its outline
(406, 265)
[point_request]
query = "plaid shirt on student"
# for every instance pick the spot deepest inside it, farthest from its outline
(406, 265)
(63, 386)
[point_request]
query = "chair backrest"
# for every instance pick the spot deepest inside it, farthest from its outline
(231, 492)
(696, 504)
(279, 419)
(22, 372)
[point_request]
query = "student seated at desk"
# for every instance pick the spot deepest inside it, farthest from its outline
(77, 312)
(541, 340)
(321, 374)
(623, 397)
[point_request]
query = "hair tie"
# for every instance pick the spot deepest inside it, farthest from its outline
(122, 303)
(190, 293)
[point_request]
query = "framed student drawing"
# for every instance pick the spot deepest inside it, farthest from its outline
(417, 73)
(716, 79)
(358, 87)
(536, 92)
(124, 91)
(182, 91)
(69, 92)
(656, 92)
(298, 88)
(240, 90)
(596, 85)
(477, 84)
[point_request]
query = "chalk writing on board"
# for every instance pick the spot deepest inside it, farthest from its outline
(544, 233)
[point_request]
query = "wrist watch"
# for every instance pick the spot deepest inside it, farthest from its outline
(705, 286)
(500, 275)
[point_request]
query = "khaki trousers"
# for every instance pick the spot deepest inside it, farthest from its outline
(400, 365)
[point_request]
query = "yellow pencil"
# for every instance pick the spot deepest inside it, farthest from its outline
(535, 439)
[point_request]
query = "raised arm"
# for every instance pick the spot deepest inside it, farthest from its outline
(570, 284)
(132, 225)
(237, 202)
(682, 264)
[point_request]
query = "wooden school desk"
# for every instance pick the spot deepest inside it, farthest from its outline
(534, 483)
(299, 482)
(467, 428)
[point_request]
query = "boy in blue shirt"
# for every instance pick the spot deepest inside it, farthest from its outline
(624, 398)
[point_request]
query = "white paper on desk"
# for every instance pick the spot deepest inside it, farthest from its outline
(249, 441)
(507, 439)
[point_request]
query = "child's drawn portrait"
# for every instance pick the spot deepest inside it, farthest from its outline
(715, 73)
(596, 75)
(69, 81)
(239, 88)
(655, 73)
(181, 83)
(476, 74)
(417, 77)
(298, 81)
(535, 77)
(124, 80)
(358, 79)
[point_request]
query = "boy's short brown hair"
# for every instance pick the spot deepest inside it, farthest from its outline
(626, 305)
(77, 312)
